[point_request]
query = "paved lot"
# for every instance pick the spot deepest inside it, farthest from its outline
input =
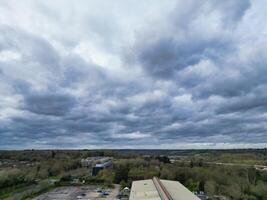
(78, 193)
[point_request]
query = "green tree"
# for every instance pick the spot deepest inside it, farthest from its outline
(121, 173)
(210, 188)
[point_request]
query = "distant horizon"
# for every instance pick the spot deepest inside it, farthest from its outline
(131, 74)
(264, 148)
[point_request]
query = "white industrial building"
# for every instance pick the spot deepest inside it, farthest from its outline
(92, 161)
(156, 189)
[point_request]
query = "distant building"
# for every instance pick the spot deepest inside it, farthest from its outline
(92, 161)
(98, 167)
(157, 189)
(96, 164)
(87, 162)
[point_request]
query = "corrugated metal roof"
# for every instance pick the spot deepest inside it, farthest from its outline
(168, 190)
(144, 190)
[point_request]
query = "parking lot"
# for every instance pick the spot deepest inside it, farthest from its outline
(80, 193)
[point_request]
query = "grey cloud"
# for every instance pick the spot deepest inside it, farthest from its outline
(164, 53)
(233, 79)
(189, 75)
(49, 104)
(232, 11)
(254, 101)
(165, 57)
(35, 49)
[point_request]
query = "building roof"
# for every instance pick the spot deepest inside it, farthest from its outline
(155, 189)
(105, 164)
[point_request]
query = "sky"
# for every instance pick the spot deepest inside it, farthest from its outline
(133, 74)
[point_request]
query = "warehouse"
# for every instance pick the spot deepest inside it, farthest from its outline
(92, 161)
(98, 167)
(156, 189)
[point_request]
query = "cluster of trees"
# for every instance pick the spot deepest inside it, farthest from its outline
(230, 181)
(12, 177)
(43, 155)
(259, 157)
(31, 191)
(25, 181)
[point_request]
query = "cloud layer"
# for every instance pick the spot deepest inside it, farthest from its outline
(152, 74)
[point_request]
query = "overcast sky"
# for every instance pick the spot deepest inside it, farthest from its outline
(133, 74)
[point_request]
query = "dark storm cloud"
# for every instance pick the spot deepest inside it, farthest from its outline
(255, 101)
(49, 104)
(171, 75)
(164, 53)
(165, 57)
